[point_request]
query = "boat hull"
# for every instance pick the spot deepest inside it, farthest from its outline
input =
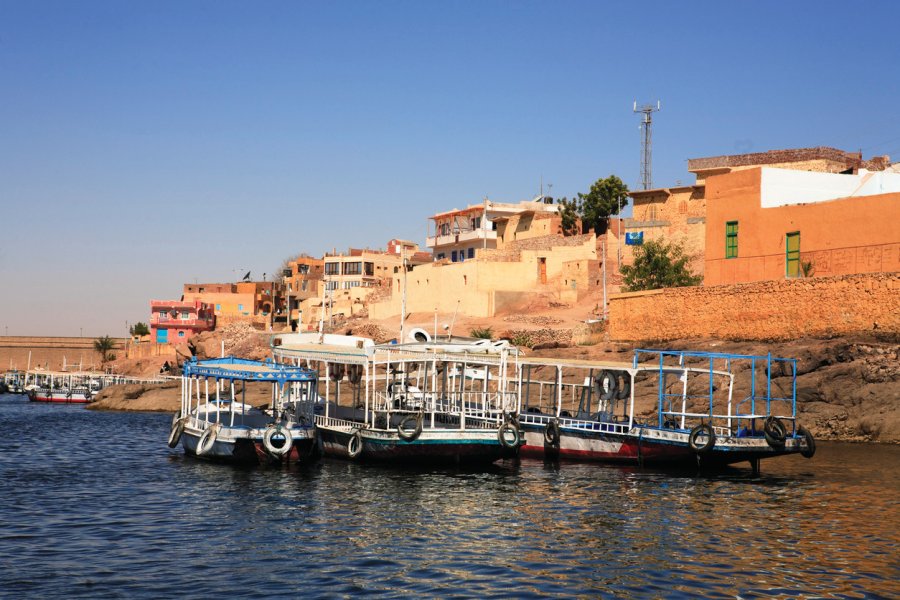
(432, 446)
(241, 449)
(59, 397)
(649, 446)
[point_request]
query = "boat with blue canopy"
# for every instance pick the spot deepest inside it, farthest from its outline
(217, 422)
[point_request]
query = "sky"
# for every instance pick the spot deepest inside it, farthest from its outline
(148, 145)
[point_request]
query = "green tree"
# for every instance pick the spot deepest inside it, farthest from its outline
(658, 265)
(104, 345)
(607, 197)
(139, 328)
(570, 213)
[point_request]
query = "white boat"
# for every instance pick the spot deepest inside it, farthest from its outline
(699, 408)
(61, 387)
(401, 403)
(216, 422)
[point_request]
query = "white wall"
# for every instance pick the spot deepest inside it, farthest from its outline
(782, 187)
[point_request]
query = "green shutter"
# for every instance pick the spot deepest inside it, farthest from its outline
(731, 239)
(792, 254)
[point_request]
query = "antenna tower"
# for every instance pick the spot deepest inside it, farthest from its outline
(646, 141)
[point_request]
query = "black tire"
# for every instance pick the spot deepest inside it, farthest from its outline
(774, 432)
(607, 384)
(404, 433)
(177, 430)
(624, 385)
(354, 373)
(336, 371)
(355, 444)
(504, 441)
(551, 433)
(702, 429)
(810, 449)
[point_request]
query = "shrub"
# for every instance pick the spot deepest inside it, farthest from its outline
(484, 333)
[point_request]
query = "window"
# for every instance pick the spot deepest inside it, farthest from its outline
(180, 334)
(352, 268)
(441, 256)
(476, 223)
(302, 269)
(792, 254)
(453, 256)
(731, 239)
(350, 284)
(471, 252)
(369, 269)
(240, 307)
(445, 228)
(333, 268)
(652, 212)
(218, 307)
(331, 285)
(185, 315)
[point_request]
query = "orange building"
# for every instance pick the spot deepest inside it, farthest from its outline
(175, 321)
(768, 223)
(252, 301)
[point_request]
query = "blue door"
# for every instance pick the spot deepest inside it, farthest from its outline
(162, 336)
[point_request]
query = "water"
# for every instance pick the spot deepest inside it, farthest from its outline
(95, 505)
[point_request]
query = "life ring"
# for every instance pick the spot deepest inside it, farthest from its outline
(702, 429)
(810, 449)
(624, 384)
(177, 430)
(336, 371)
(207, 439)
(606, 385)
(551, 433)
(508, 426)
(354, 373)
(271, 432)
(355, 444)
(406, 435)
(774, 431)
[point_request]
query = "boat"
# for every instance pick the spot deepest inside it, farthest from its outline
(696, 408)
(216, 422)
(401, 403)
(62, 387)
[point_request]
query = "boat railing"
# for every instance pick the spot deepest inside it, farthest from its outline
(337, 424)
(574, 423)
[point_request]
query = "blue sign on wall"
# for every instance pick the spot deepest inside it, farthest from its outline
(634, 239)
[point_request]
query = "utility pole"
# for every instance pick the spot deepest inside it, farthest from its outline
(646, 141)
(403, 297)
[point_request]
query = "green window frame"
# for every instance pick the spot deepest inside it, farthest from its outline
(731, 239)
(792, 254)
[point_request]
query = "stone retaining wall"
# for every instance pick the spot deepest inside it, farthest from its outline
(764, 310)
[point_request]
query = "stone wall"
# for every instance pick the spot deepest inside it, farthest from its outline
(52, 352)
(765, 310)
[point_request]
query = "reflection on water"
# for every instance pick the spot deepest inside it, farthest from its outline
(96, 505)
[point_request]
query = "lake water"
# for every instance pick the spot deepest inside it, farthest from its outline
(96, 505)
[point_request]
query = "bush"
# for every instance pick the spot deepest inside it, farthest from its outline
(658, 265)
(521, 339)
(484, 333)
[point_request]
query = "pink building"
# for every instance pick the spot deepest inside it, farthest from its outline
(174, 321)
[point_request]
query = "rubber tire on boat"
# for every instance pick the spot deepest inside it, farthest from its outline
(624, 385)
(551, 433)
(273, 430)
(207, 440)
(501, 435)
(177, 430)
(355, 444)
(607, 383)
(774, 432)
(810, 449)
(407, 436)
(710, 438)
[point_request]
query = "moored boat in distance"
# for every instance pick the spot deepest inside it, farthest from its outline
(216, 422)
(664, 408)
(62, 387)
(409, 402)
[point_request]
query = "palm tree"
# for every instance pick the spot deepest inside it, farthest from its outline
(104, 345)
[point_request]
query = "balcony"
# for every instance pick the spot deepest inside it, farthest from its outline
(460, 238)
(165, 322)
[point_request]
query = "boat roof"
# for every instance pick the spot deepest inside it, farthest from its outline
(231, 367)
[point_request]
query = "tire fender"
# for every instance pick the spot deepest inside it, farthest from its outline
(696, 432)
(271, 432)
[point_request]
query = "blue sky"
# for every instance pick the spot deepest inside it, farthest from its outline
(145, 145)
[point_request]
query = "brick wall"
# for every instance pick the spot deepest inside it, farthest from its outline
(764, 310)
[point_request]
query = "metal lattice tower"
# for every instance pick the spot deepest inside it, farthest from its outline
(646, 142)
